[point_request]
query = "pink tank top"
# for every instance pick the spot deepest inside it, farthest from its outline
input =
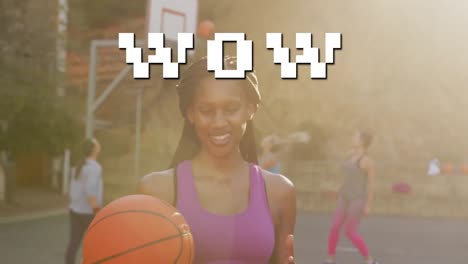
(244, 238)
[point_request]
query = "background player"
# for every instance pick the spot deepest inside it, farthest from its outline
(355, 197)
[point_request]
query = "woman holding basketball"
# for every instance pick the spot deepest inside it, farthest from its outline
(237, 212)
(355, 197)
(85, 195)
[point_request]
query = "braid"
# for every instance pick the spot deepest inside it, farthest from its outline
(188, 145)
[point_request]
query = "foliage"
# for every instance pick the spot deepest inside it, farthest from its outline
(37, 120)
(91, 14)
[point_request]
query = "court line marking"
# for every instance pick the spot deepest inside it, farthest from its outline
(387, 251)
(347, 249)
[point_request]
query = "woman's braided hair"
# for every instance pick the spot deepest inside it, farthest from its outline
(191, 78)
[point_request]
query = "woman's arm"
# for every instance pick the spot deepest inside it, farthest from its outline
(158, 184)
(282, 200)
(370, 169)
(93, 178)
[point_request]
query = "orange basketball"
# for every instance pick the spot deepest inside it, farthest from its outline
(464, 168)
(448, 168)
(206, 29)
(138, 229)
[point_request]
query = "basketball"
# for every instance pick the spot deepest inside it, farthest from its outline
(464, 168)
(448, 168)
(206, 29)
(138, 229)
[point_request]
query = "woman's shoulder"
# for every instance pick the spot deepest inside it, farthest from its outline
(366, 162)
(278, 185)
(160, 174)
(92, 164)
(281, 195)
(159, 184)
(157, 178)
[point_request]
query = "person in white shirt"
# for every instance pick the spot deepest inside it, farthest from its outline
(86, 192)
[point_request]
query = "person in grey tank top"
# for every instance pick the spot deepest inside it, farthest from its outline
(354, 198)
(85, 195)
(355, 181)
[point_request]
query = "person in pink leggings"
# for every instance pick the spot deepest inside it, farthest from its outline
(354, 199)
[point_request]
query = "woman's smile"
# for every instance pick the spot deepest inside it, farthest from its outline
(220, 139)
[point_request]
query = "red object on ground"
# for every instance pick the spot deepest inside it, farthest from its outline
(464, 168)
(448, 168)
(402, 187)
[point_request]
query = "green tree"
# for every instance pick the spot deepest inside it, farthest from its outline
(35, 117)
(37, 120)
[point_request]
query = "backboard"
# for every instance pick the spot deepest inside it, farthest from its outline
(172, 16)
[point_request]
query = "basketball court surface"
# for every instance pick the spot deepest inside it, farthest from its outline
(393, 240)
